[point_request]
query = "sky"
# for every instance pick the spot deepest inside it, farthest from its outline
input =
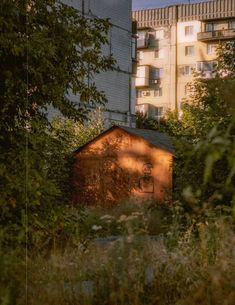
(139, 4)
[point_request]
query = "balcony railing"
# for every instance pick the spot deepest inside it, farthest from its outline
(216, 35)
(142, 82)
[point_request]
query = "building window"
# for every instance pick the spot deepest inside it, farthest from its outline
(159, 34)
(143, 108)
(142, 40)
(142, 35)
(156, 73)
(186, 70)
(140, 55)
(206, 66)
(211, 48)
(189, 50)
(209, 27)
(231, 24)
(152, 41)
(158, 112)
(188, 30)
(161, 72)
(158, 92)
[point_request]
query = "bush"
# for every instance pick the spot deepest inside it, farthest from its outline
(32, 212)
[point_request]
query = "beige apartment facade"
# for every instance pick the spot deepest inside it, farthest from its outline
(174, 42)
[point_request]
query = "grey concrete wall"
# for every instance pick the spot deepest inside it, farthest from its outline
(116, 84)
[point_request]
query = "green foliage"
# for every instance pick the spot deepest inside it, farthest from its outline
(218, 153)
(75, 134)
(204, 135)
(208, 120)
(49, 50)
(37, 202)
(211, 101)
(226, 64)
(11, 263)
(144, 122)
(191, 264)
(207, 167)
(128, 218)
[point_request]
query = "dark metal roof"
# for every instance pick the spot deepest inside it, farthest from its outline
(154, 137)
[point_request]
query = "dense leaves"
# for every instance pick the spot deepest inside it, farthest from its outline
(204, 135)
(48, 52)
(49, 55)
(208, 119)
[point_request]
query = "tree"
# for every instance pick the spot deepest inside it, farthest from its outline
(48, 51)
(144, 122)
(212, 101)
(204, 134)
(208, 120)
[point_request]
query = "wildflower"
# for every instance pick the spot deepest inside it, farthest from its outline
(106, 217)
(137, 214)
(96, 228)
(131, 217)
(122, 218)
(130, 238)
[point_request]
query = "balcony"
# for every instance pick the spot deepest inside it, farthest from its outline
(142, 82)
(150, 110)
(142, 40)
(142, 77)
(142, 43)
(216, 35)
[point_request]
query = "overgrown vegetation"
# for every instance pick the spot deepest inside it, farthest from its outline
(191, 262)
(204, 135)
(55, 253)
(49, 51)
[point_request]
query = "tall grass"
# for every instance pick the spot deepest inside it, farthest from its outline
(191, 266)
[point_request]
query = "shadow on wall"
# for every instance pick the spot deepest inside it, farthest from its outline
(101, 179)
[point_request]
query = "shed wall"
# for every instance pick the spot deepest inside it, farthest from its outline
(118, 166)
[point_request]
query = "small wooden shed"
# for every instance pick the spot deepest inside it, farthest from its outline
(122, 163)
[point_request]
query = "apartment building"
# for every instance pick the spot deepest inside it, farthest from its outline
(172, 43)
(119, 84)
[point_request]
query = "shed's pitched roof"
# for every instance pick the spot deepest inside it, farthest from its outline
(152, 136)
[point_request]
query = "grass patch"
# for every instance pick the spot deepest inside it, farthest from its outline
(190, 264)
